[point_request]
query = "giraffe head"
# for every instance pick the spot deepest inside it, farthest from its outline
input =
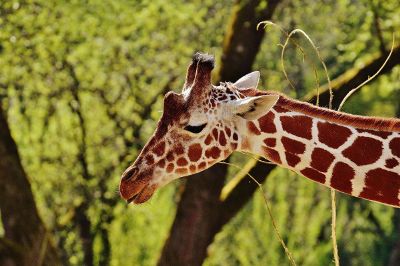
(198, 128)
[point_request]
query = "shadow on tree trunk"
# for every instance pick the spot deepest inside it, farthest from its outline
(26, 240)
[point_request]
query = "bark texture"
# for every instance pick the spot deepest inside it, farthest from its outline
(26, 240)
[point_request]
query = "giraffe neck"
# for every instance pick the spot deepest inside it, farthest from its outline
(356, 155)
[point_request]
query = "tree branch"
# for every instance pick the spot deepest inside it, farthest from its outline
(355, 76)
(11, 253)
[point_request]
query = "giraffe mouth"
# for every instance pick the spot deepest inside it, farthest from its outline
(137, 191)
(132, 199)
(143, 195)
(136, 186)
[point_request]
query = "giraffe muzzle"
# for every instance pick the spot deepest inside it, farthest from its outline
(134, 186)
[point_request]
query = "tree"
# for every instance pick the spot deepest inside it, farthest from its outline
(83, 86)
(26, 240)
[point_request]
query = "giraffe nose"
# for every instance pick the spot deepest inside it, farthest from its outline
(129, 173)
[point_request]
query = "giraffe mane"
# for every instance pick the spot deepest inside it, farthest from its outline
(357, 121)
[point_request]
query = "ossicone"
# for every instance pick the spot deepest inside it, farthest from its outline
(203, 60)
(173, 103)
(201, 84)
(201, 65)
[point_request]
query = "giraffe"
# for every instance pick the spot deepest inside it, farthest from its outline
(204, 124)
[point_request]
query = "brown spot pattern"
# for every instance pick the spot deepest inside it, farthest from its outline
(179, 149)
(267, 123)
(292, 159)
(208, 140)
(364, 151)
(321, 159)
(194, 153)
(379, 124)
(280, 109)
(170, 156)
(202, 165)
(391, 163)
(381, 134)
(214, 153)
(341, 177)
(159, 149)
(332, 135)
(235, 136)
(394, 145)
(234, 145)
(182, 171)
(149, 159)
(293, 146)
(272, 155)
(252, 128)
(215, 133)
(313, 174)
(297, 125)
(222, 139)
(383, 186)
(161, 163)
(228, 132)
(170, 167)
(270, 142)
(182, 162)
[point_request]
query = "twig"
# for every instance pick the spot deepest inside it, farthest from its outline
(289, 255)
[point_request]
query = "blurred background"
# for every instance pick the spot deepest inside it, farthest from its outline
(81, 88)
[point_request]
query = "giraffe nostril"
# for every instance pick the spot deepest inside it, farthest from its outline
(129, 173)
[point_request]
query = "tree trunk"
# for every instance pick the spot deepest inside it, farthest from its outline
(196, 221)
(25, 232)
(81, 219)
(84, 227)
(394, 259)
(105, 254)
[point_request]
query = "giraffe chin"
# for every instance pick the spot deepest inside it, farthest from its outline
(144, 195)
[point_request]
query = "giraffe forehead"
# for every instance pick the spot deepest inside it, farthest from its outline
(188, 104)
(226, 92)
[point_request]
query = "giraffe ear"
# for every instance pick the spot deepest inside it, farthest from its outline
(253, 108)
(248, 81)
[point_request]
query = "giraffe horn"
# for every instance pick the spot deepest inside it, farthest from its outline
(173, 104)
(190, 74)
(202, 76)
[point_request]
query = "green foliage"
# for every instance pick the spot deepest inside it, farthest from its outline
(77, 79)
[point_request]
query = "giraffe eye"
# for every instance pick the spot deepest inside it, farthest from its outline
(195, 129)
